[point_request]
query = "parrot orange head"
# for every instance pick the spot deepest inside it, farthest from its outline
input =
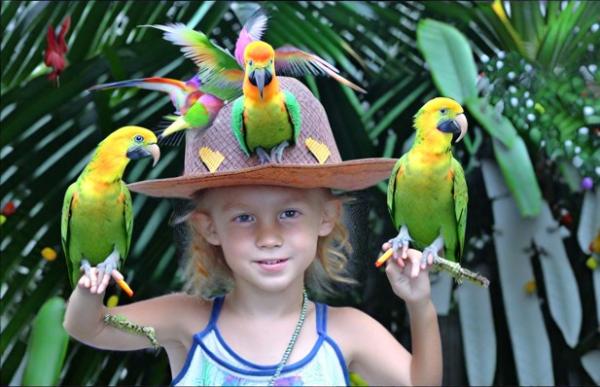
(259, 58)
(441, 120)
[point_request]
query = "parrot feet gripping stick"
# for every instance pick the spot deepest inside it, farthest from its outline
(453, 268)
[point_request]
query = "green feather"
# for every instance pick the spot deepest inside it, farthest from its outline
(65, 235)
(461, 197)
(237, 123)
(294, 113)
(392, 187)
(197, 116)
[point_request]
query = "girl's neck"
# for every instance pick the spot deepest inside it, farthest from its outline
(251, 301)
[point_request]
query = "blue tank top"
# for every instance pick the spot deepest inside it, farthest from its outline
(211, 362)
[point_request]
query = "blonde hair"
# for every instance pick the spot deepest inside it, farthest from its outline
(208, 275)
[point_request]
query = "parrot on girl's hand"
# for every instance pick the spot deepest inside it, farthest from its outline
(195, 110)
(97, 214)
(265, 117)
(427, 192)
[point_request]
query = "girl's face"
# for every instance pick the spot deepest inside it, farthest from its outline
(268, 234)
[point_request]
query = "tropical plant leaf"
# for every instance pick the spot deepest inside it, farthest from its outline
(589, 222)
(512, 239)
(441, 292)
(590, 362)
(559, 280)
(450, 59)
(519, 176)
(478, 333)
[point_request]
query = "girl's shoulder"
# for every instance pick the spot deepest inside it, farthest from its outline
(345, 320)
(352, 328)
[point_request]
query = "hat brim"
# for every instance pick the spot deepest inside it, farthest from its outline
(348, 176)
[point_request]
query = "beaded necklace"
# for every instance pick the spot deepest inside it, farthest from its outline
(292, 342)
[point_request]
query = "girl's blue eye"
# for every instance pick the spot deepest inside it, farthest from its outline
(244, 218)
(290, 214)
(138, 138)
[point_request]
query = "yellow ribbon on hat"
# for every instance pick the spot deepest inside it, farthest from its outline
(318, 149)
(212, 159)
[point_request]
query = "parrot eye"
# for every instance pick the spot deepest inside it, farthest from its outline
(138, 138)
(250, 62)
(443, 111)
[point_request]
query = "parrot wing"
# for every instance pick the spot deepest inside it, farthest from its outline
(237, 123)
(217, 68)
(294, 113)
(461, 197)
(65, 227)
(127, 219)
(398, 168)
(292, 61)
(252, 31)
(177, 90)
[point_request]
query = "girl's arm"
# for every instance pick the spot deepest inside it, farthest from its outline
(375, 354)
(84, 318)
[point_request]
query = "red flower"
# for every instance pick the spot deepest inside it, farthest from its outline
(9, 209)
(56, 49)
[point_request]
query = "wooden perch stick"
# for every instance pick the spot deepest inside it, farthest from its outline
(453, 268)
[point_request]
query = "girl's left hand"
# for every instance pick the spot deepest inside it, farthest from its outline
(408, 280)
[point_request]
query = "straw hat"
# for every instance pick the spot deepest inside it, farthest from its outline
(214, 158)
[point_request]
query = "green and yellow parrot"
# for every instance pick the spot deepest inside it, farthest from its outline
(265, 118)
(427, 192)
(97, 215)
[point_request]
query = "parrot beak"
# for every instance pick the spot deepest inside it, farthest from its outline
(139, 152)
(457, 126)
(260, 77)
(155, 152)
(462, 122)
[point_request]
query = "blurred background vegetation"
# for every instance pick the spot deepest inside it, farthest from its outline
(526, 73)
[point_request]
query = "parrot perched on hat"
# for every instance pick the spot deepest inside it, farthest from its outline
(254, 71)
(97, 214)
(427, 192)
(265, 117)
(194, 109)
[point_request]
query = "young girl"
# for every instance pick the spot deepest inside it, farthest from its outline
(264, 244)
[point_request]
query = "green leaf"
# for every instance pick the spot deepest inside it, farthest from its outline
(450, 59)
(519, 176)
(47, 345)
(495, 124)
(478, 333)
(512, 239)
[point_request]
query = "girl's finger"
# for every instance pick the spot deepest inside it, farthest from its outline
(415, 270)
(117, 276)
(400, 262)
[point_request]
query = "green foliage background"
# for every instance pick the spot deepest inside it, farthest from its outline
(48, 133)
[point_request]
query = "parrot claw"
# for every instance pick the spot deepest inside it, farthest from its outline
(430, 253)
(106, 268)
(401, 242)
(263, 156)
(277, 152)
(86, 267)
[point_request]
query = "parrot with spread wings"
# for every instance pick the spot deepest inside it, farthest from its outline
(265, 118)
(97, 214)
(193, 108)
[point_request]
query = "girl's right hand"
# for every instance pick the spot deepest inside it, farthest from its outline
(97, 281)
